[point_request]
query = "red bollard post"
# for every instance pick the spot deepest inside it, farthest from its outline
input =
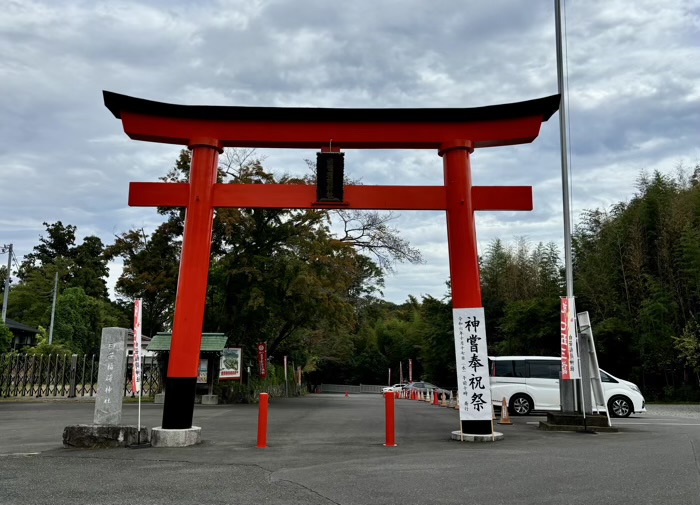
(390, 437)
(262, 422)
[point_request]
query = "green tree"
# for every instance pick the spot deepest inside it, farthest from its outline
(44, 348)
(30, 300)
(436, 332)
(89, 269)
(5, 337)
(80, 318)
(57, 243)
(688, 347)
(531, 327)
(150, 271)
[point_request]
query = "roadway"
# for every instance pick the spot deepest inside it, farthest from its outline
(327, 449)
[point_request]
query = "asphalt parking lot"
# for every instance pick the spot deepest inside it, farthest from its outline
(327, 449)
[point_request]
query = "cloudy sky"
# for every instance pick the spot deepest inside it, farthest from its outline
(634, 99)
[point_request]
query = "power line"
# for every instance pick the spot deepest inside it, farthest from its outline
(14, 259)
(6, 249)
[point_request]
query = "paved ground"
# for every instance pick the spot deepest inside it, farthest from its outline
(326, 449)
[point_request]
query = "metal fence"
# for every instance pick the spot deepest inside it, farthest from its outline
(342, 388)
(64, 375)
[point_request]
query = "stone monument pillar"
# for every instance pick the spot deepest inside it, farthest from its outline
(106, 430)
(111, 376)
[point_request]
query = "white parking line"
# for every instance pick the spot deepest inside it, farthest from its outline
(624, 423)
(657, 424)
(19, 454)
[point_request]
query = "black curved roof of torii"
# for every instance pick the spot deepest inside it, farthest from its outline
(545, 107)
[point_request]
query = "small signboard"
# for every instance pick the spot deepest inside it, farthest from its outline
(230, 367)
(262, 360)
(203, 371)
(329, 176)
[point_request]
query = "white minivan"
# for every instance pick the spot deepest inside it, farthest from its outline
(532, 383)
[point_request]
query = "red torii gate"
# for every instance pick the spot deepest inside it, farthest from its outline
(453, 133)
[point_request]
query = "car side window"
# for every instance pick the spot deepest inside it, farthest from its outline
(508, 368)
(605, 377)
(542, 369)
(503, 368)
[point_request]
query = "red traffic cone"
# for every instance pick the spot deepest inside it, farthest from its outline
(435, 398)
(346, 393)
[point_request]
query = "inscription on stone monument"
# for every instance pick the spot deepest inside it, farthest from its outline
(111, 376)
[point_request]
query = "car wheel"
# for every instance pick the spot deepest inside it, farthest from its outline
(619, 406)
(520, 405)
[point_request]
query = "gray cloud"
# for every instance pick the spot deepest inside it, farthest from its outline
(634, 99)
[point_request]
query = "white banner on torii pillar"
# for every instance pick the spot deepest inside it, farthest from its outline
(472, 364)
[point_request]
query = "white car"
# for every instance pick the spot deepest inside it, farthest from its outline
(393, 389)
(532, 383)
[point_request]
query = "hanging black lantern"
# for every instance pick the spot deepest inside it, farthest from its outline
(330, 169)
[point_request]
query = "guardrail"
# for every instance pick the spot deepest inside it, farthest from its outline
(342, 388)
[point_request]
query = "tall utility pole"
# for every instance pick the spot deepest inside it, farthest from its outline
(567, 394)
(6, 249)
(568, 264)
(53, 308)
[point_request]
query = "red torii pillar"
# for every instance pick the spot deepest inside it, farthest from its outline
(454, 133)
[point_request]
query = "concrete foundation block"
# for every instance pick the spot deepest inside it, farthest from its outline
(570, 427)
(210, 400)
(160, 398)
(468, 437)
(557, 421)
(103, 435)
(176, 438)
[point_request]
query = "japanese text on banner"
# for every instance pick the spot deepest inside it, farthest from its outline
(472, 365)
(569, 345)
(136, 367)
(262, 360)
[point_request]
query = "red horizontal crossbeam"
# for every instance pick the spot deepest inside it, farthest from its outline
(290, 196)
(360, 135)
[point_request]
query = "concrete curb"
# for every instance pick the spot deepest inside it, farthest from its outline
(468, 437)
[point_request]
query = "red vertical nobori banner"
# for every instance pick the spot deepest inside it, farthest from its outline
(136, 353)
(565, 350)
(410, 371)
(262, 360)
